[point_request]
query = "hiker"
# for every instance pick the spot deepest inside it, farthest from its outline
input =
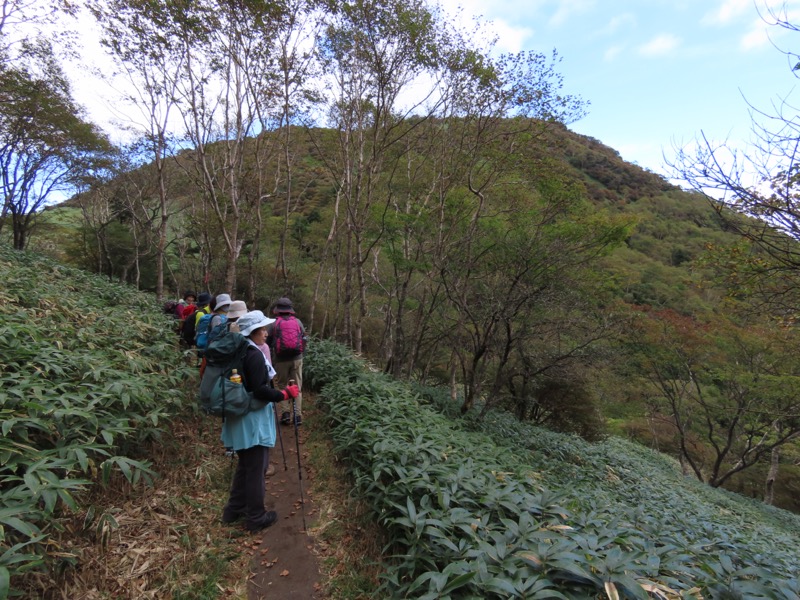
(184, 307)
(189, 328)
(187, 305)
(286, 339)
(221, 305)
(211, 326)
(252, 435)
(211, 320)
(267, 355)
(203, 306)
(236, 310)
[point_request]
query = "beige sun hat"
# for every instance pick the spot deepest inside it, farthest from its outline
(237, 309)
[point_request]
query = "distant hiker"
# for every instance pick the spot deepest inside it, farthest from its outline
(286, 340)
(203, 306)
(236, 310)
(189, 328)
(211, 320)
(183, 307)
(170, 307)
(187, 305)
(222, 304)
(252, 435)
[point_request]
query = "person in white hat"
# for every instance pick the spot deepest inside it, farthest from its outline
(236, 310)
(252, 435)
(222, 303)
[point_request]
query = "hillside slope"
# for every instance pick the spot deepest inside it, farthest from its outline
(499, 509)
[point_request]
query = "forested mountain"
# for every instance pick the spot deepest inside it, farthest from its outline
(563, 295)
(419, 196)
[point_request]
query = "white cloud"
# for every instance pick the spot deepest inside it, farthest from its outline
(756, 37)
(764, 30)
(727, 11)
(510, 37)
(617, 23)
(660, 45)
(568, 8)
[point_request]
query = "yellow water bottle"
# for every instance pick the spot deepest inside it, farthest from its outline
(235, 377)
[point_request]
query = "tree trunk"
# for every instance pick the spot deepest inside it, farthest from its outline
(772, 475)
(162, 228)
(453, 380)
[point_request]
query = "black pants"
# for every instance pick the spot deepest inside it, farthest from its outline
(247, 491)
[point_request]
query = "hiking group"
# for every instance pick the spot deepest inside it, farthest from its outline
(242, 355)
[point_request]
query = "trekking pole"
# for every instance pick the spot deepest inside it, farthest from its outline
(280, 437)
(299, 466)
(232, 453)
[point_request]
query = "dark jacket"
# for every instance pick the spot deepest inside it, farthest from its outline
(255, 377)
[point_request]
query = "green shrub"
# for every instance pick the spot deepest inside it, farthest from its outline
(495, 508)
(89, 372)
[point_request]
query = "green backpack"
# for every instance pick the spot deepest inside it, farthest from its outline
(219, 396)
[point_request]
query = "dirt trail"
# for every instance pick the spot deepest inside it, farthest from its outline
(284, 564)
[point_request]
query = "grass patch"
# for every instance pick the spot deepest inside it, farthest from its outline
(350, 543)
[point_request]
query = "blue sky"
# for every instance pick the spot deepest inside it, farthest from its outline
(656, 72)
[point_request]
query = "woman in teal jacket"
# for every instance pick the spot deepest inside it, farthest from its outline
(252, 435)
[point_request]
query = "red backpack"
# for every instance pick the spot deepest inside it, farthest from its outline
(288, 335)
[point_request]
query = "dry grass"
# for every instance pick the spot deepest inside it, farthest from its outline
(164, 541)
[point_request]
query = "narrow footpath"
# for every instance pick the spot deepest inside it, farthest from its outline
(284, 563)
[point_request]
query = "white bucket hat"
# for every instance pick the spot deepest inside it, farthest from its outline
(253, 320)
(222, 301)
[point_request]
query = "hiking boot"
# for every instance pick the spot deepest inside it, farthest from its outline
(298, 420)
(269, 518)
(286, 418)
(229, 517)
(270, 471)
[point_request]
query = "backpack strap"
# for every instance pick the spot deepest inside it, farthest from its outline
(276, 334)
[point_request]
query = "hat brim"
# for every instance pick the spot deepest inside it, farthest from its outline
(263, 323)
